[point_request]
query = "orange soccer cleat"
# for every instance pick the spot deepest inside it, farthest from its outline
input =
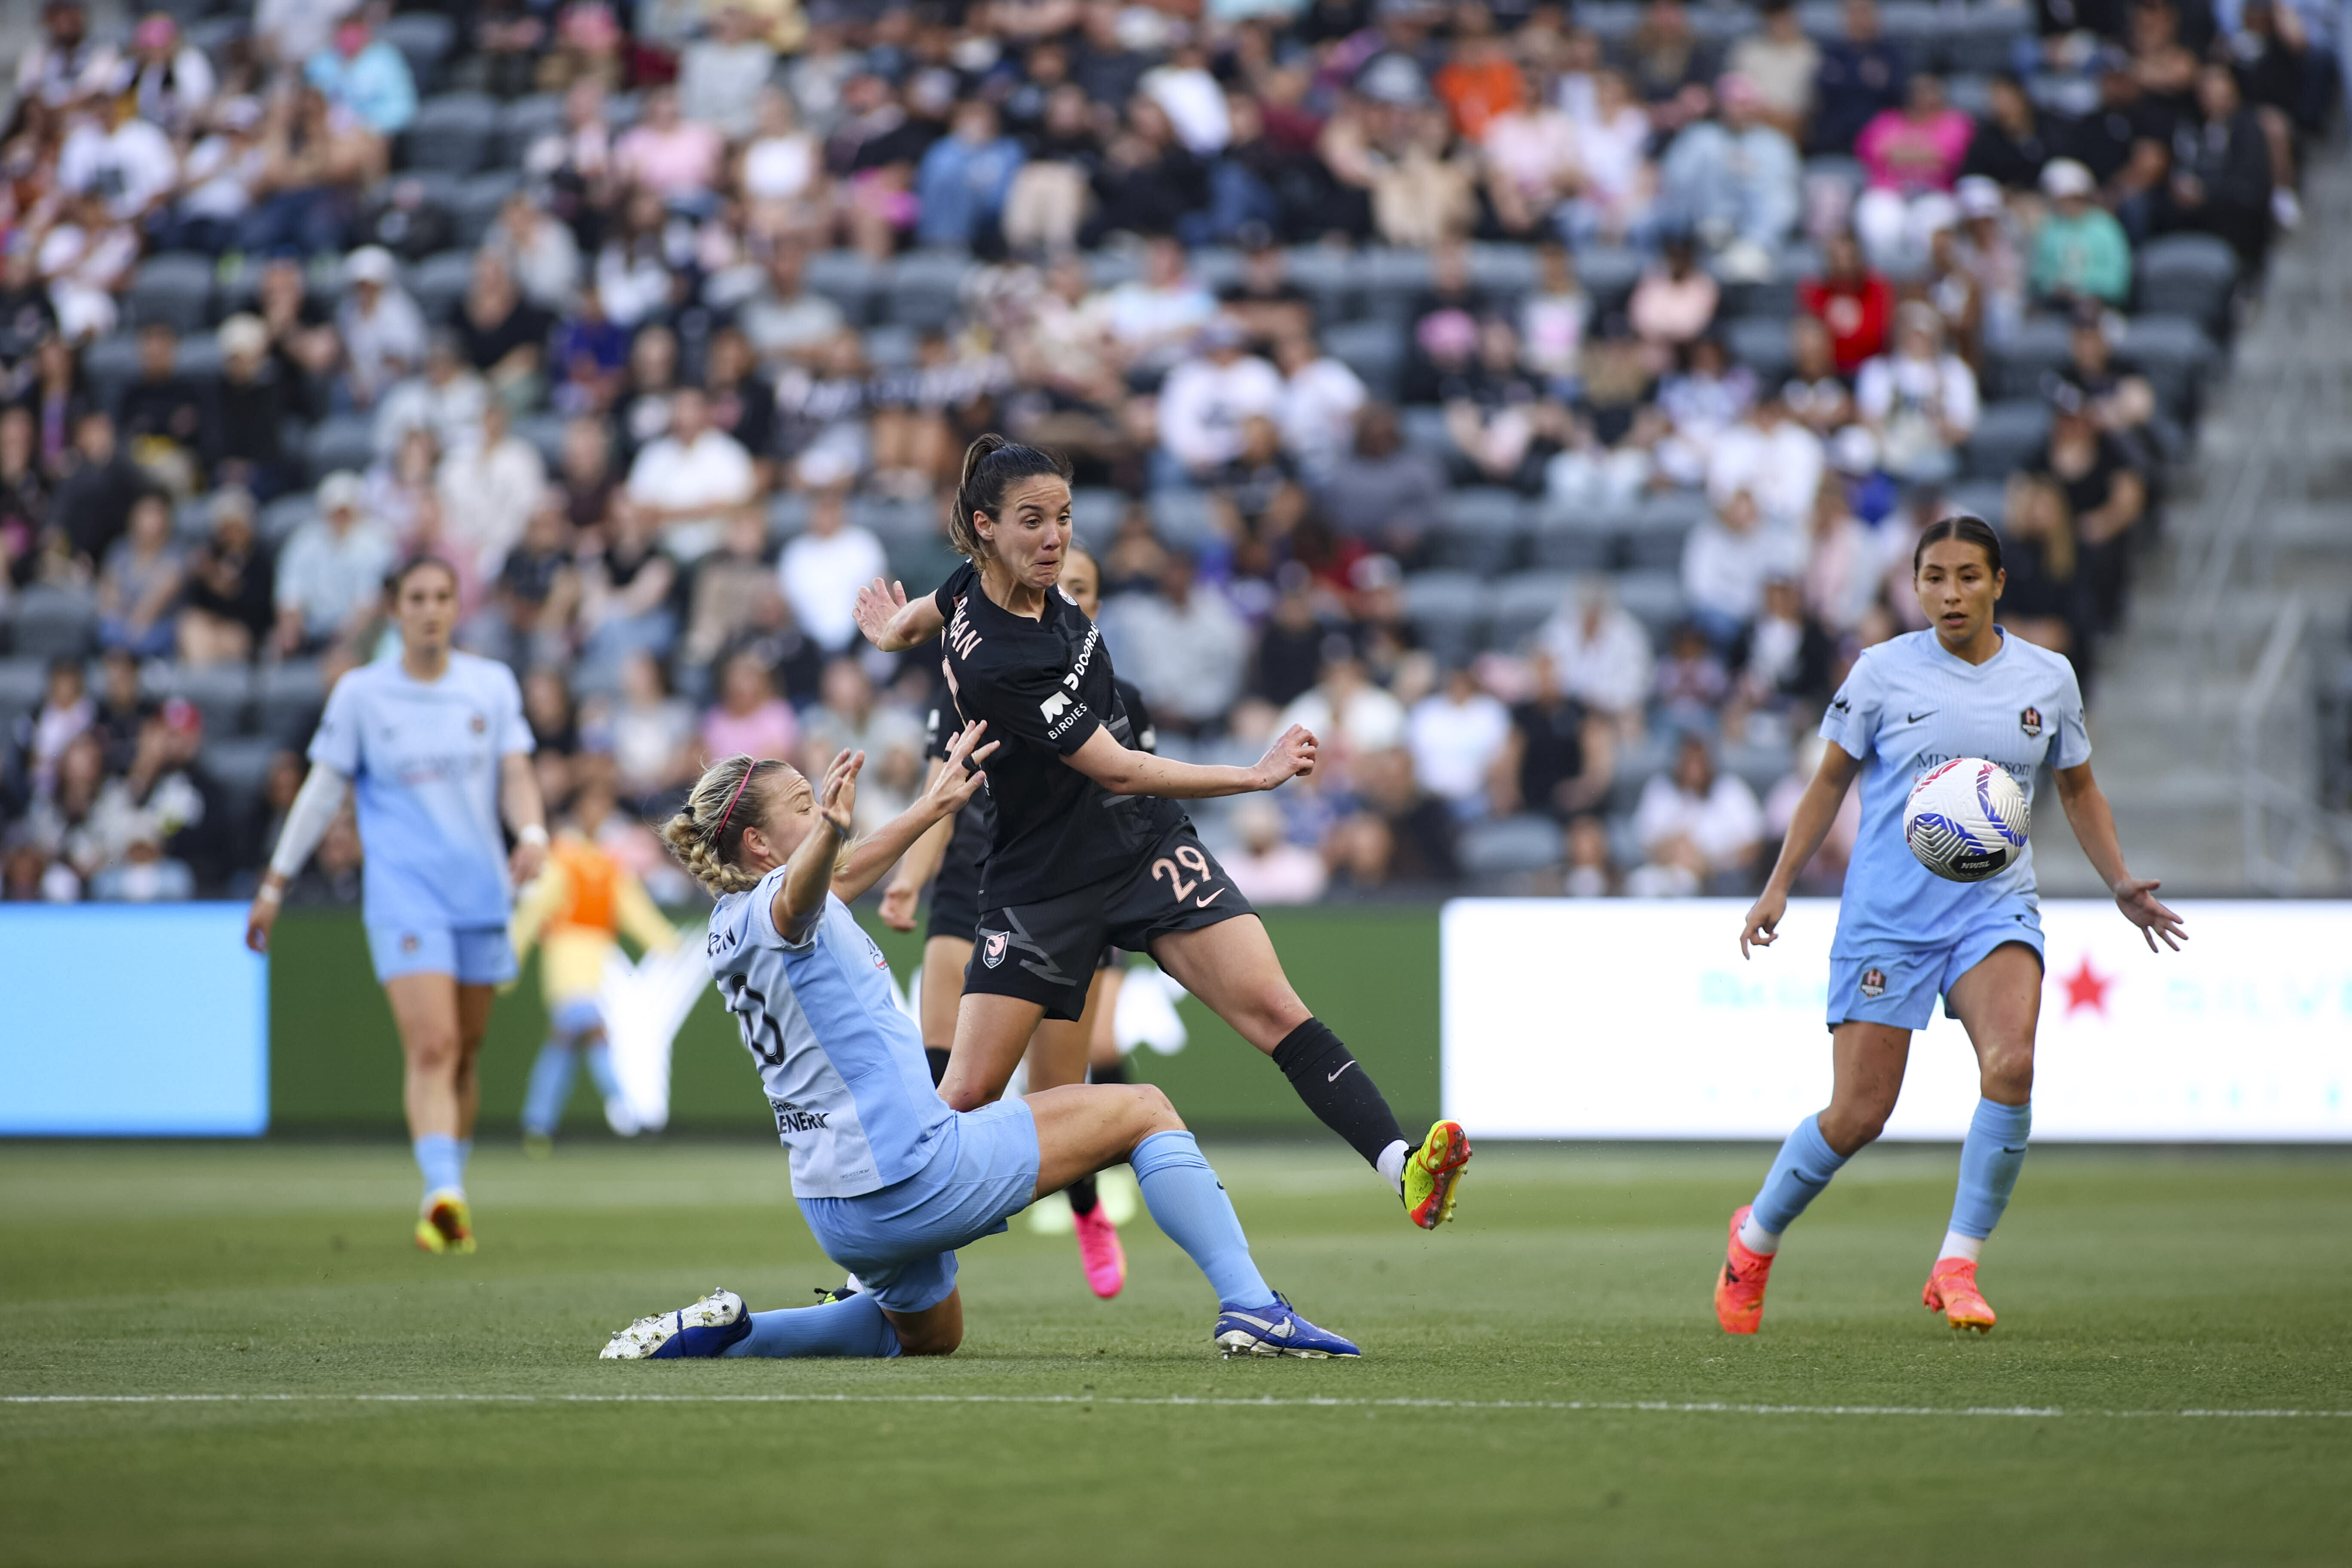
(1740, 1289)
(1952, 1290)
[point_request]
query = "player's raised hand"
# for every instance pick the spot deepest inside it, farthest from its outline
(1291, 756)
(960, 780)
(2138, 902)
(1763, 922)
(529, 859)
(836, 801)
(879, 604)
(898, 902)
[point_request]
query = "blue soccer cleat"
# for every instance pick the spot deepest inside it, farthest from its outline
(1278, 1330)
(705, 1328)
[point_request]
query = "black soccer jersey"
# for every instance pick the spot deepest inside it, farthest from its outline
(1044, 687)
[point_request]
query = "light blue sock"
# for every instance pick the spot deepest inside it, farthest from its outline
(600, 1069)
(443, 1163)
(464, 1156)
(550, 1085)
(852, 1328)
(1189, 1204)
(1991, 1157)
(1804, 1167)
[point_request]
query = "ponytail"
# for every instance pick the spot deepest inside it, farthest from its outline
(990, 464)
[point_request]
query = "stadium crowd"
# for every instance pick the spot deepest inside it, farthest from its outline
(1537, 403)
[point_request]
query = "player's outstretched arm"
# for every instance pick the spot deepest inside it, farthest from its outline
(951, 784)
(894, 623)
(808, 875)
(2094, 823)
(307, 821)
(1816, 809)
(519, 804)
(1124, 771)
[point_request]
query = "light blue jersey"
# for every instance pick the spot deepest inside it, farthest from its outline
(1908, 707)
(424, 759)
(844, 1068)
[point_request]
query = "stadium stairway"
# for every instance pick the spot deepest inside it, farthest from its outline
(2259, 524)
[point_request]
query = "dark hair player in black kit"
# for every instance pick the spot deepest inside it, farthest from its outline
(1090, 845)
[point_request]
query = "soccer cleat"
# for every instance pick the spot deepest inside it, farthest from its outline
(705, 1328)
(1952, 1290)
(1740, 1289)
(446, 1225)
(826, 1295)
(1432, 1174)
(1276, 1330)
(1104, 1258)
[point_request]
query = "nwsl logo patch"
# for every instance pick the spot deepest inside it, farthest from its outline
(992, 952)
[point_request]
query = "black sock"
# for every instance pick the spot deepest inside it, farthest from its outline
(939, 1060)
(1337, 1089)
(1112, 1072)
(1082, 1196)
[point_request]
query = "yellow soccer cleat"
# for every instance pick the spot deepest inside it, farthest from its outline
(1952, 1290)
(1432, 1174)
(445, 1226)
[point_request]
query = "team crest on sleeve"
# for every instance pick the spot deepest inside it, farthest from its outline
(1873, 983)
(992, 952)
(2031, 722)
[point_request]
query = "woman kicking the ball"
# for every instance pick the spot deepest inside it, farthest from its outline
(891, 1181)
(1962, 689)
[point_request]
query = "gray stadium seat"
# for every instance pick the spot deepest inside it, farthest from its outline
(889, 348)
(1976, 498)
(1374, 350)
(896, 522)
(844, 277)
(1110, 268)
(1661, 527)
(24, 685)
(1096, 513)
(424, 38)
(452, 133)
(2174, 353)
(1479, 530)
(1181, 518)
(1505, 271)
(1389, 280)
(926, 288)
(1510, 845)
(216, 35)
(1981, 38)
(1327, 273)
(1760, 767)
(476, 206)
(109, 365)
(1523, 603)
(545, 433)
(2006, 435)
(922, 561)
(1608, 274)
(1215, 267)
(2191, 274)
(1424, 429)
(198, 356)
(342, 441)
(175, 288)
(221, 693)
(524, 121)
(440, 281)
(2015, 368)
(240, 766)
(788, 514)
(1652, 598)
(1637, 765)
(1447, 608)
(281, 517)
(286, 697)
(54, 622)
(1578, 538)
(1761, 343)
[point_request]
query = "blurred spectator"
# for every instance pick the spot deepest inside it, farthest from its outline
(1184, 646)
(1773, 457)
(313, 164)
(28, 544)
(88, 257)
(1844, 561)
(330, 578)
(675, 158)
(2223, 176)
(964, 179)
(490, 488)
(1706, 396)
(1912, 156)
(1612, 138)
(1352, 718)
(689, 481)
(1151, 320)
(2011, 145)
(446, 400)
(533, 595)
(164, 417)
(165, 812)
(93, 504)
(1856, 304)
(650, 734)
(123, 160)
(250, 407)
(1532, 164)
(1558, 757)
(749, 718)
(123, 708)
(2105, 497)
(782, 173)
(1919, 401)
(1265, 865)
(1398, 832)
(381, 330)
(1861, 75)
(66, 711)
(365, 76)
(504, 336)
(1207, 398)
(63, 64)
(1826, 872)
(305, 339)
(1781, 63)
(1698, 828)
(1384, 492)
(1788, 655)
(733, 592)
(1674, 302)
(2043, 598)
(1733, 179)
(230, 602)
(720, 75)
(1458, 736)
(1590, 873)
(823, 569)
(1599, 651)
(1553, 320)
(1727, 562)
(1692, 683)
(785, 321)
(850, 717)
(539, 253)
(2079, 250)
(403, 487)
(625, 586)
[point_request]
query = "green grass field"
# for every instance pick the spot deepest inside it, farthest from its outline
(1525, 1396)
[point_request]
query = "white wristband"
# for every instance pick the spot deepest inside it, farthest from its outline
(535, 835)
(266, 894)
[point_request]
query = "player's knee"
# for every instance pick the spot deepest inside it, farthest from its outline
(1154, 1112)
(2008, 1072)
(1848, 1125)
(433, 1049)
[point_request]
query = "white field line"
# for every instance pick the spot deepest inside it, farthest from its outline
(1637, 1406)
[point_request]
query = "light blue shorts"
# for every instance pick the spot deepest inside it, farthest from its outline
(901, 1242)
(1897, 984)
(476, 957)
(576, 1017)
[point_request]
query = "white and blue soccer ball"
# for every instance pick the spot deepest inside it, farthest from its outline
(1966, 820)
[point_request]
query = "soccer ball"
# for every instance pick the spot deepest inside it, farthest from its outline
(1966, 820)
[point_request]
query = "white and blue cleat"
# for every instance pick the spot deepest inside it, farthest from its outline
(1276, 1330)
(704, 1329)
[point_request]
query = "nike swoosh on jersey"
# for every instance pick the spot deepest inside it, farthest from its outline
(1915, 718)
(1213, 898)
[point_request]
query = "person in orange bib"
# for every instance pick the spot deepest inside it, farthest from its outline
(576, 913)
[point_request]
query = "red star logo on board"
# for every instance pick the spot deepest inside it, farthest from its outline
(2087, 988)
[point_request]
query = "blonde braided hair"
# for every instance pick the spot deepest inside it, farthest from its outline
(705, 835)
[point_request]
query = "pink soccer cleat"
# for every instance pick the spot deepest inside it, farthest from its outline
(1099, 1251)
(1739, 1288)
(1952, 1290)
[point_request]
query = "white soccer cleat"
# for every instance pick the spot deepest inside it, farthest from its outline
(704, 1329)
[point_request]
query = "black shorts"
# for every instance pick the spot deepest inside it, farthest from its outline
(1048, 951)
(955, 891)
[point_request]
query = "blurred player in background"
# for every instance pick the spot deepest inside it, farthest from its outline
(1963, 688)
(436, 744)
(577, 911)
(949, 857)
